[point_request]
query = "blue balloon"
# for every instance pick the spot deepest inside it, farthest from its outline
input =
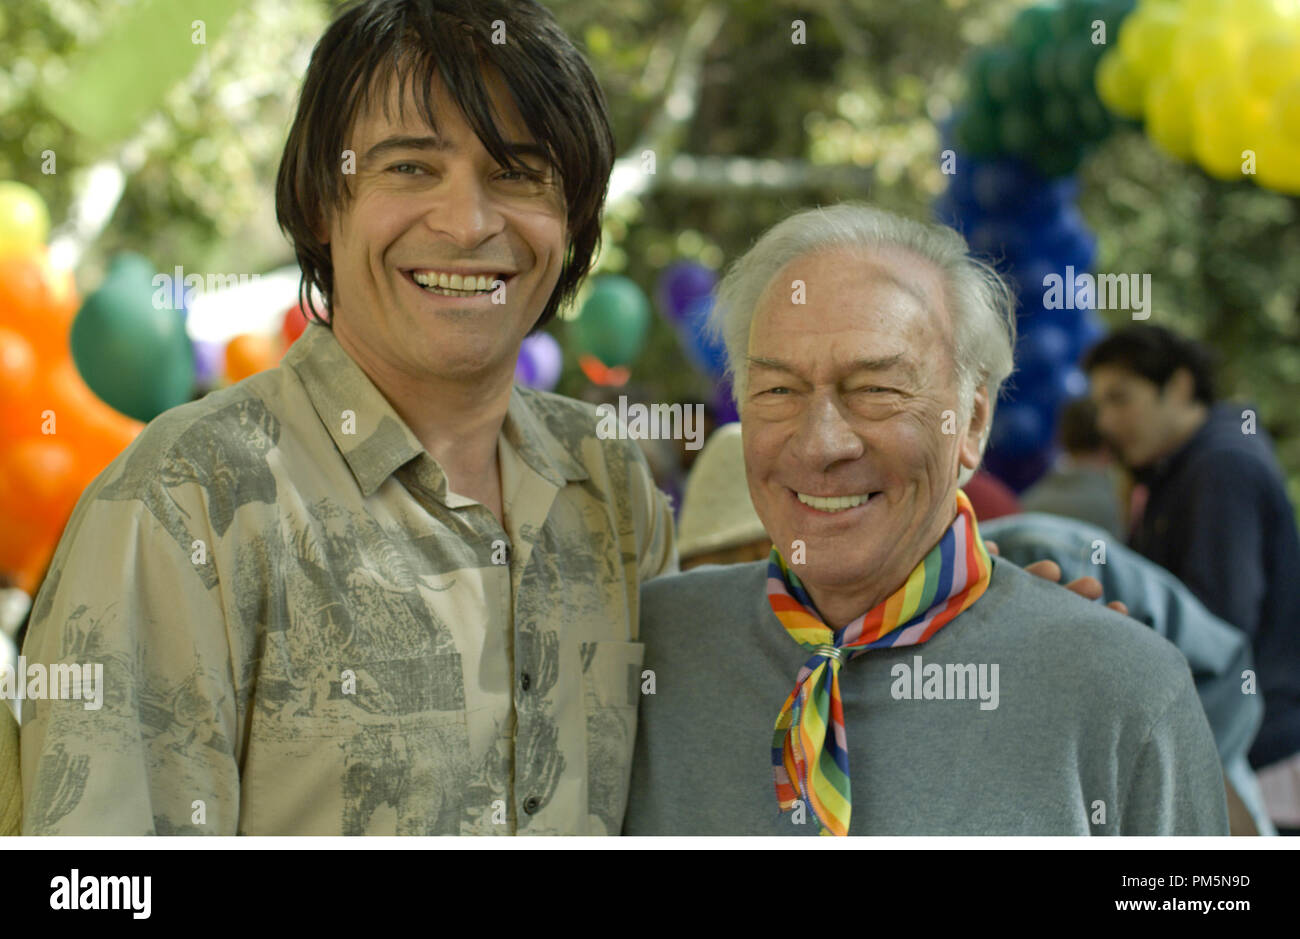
(1029, 276)
(948, 212)
(681, 285)
(1019, 429)
(1043, 350)
(1069, 240)
(1019, 472)
(998, 187)
(995, 237)
(706, 353)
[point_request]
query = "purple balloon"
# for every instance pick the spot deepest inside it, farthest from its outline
(724, 408)
(209, 362)
(540, 362)
(681, 285)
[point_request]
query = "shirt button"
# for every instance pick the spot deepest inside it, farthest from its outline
(525, 680)
(531, 804)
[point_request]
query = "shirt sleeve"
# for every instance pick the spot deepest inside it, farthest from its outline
(153, 751)
(656, 538)
(1177, 782)
(1223, 560)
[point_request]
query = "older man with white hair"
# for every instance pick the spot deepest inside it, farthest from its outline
(936, 690)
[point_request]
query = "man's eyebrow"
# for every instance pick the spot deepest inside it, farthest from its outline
(438, 144)
(407, 142)
(775, 365)
(884, 363)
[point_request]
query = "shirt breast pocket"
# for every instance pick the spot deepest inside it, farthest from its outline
(612, 687)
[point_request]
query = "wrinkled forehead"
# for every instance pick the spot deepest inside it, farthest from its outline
(837, 288)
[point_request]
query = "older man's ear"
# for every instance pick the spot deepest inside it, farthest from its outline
(970, 449)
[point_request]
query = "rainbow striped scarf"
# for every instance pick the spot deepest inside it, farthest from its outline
(810, 757)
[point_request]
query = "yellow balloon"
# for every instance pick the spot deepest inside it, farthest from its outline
(1208, 9)
(1169, 116)
(1228, 125)
(1278, 165)
(1119, 87)
(1146, 38)
(1262, 16)
(24, 219)
(1286, 111)
(1208, 48)
(1271, 62)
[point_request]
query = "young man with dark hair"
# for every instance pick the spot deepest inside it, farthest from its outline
(1217, 516)
(378, 589)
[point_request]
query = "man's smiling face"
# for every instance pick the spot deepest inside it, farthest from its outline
(844, 416)
(431, 211)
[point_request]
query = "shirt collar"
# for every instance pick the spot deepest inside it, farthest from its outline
(375, 441)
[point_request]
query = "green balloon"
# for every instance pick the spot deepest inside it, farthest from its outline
(1057, 159)
(1060, 119)
(1094, 119)
(614, 321)
(977, 132)
(984, 66)
(1019, 133)
(131, 266)
(1072, 20)
(1011, 81)
(1046, 69)
(132, 354)
(1032, 27)
(1077, 64)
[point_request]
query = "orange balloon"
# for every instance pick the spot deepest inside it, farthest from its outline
(26, 549)
(64, 403)
(40, 474)
(18, 376)
(17, 364)
(37, 301)
(250, 353)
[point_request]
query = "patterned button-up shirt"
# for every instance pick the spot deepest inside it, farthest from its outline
(304, 631)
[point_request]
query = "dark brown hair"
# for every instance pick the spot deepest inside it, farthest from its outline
(1155, 353)
(372, 43)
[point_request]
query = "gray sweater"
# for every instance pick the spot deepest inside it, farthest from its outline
(1067, 719)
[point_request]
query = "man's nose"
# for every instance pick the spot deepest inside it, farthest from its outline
(464, 210)
(826, 437)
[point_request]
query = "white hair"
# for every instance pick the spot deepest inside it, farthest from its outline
(979, 301)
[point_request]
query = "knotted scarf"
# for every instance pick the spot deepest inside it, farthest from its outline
(810, 756)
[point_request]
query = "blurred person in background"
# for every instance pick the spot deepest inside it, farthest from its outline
(1084, 483)
(1216, 515)
(718, 524)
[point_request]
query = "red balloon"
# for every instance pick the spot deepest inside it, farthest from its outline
(293, 326)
